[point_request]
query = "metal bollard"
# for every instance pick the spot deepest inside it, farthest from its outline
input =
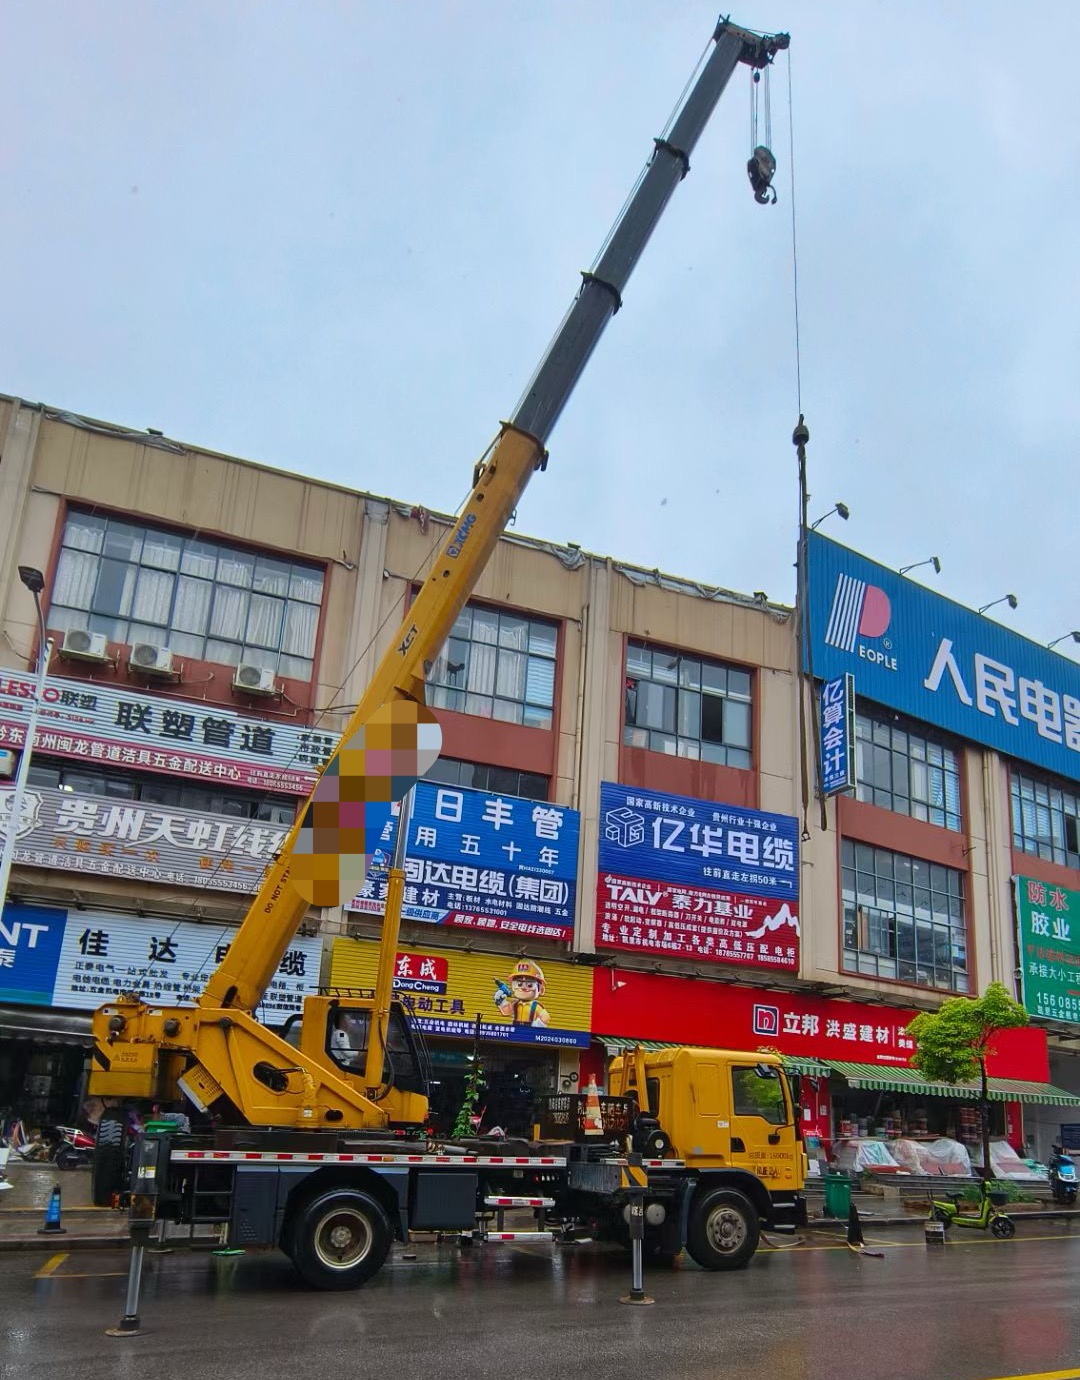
(128, 1326)
(637, 1292)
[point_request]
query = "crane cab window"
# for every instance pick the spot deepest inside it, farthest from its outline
(347, 1045)
(348, 1039)
(757, 1090)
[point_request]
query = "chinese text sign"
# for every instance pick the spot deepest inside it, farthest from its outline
(836, 734)
(1048, 926)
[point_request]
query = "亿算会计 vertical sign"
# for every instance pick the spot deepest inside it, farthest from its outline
(1048, 929)
(836, 734)
(697, 879)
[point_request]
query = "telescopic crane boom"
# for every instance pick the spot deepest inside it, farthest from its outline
(218, 1052)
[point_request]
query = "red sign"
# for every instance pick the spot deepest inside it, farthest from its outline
(695, 1011)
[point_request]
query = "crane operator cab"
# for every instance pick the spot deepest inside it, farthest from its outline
(335, 1032)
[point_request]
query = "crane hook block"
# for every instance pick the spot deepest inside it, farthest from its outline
(761, 167)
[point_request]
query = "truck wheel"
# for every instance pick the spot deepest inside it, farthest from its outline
(339, 1239)
(108, 1175)
(723, 1230)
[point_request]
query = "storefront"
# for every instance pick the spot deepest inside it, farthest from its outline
(59, 965)
(527, 1020)
(856, 1079)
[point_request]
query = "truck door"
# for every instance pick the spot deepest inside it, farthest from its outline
(763, 1136)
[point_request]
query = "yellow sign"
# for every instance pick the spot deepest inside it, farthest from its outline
(516, 999)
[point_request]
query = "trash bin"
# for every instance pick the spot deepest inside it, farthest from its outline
(837, 1196)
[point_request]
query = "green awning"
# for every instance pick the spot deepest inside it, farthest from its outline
(906, 1080)
(616, 1044)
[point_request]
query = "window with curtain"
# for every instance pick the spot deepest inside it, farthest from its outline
(202, 599)
(686, 706)
(1045, 817)
(902, 767)
(904, 918)
(498, 665)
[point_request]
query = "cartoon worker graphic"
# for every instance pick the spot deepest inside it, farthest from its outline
(519, 1002)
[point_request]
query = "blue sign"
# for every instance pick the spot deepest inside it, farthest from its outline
(30, 941)
(836, 734)
(485, 861)
(925, 655)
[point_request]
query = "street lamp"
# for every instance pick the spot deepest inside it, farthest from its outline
(930, 560)
(1009, 599)
(1074, 635)
(35, 583)
(840, 509)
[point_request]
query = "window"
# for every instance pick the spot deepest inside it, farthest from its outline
(687, 707)
(758, 1091)
(1046, 817)
(505, 780)
(903, 918)
(160, 790)
(900, 768)
(497, 665)
(202, 599)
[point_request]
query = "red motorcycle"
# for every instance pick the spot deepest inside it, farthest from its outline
(74, 1148)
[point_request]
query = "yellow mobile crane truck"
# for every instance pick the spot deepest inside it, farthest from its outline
(313, 1138)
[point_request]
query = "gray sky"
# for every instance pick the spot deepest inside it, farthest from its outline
(337, 237)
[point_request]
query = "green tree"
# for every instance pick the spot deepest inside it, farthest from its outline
(953, 1043)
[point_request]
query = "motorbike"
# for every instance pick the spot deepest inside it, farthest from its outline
(948, 1212)
(1063, 1180)
(74, 1148)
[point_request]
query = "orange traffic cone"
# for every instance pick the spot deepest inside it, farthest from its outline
(594, 1117)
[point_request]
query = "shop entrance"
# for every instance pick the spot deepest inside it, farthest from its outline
(40, 1084)
(513, 1080)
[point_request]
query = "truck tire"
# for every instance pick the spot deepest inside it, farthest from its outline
(339, 1239)
(108, 1175)
(723, 1230)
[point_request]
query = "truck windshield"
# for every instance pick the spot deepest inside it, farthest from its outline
(759, 1091)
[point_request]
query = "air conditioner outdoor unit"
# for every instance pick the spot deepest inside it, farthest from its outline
(81, 645)
(149, 657)
(254, 680)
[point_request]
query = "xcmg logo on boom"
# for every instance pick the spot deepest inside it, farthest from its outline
(461, 536)
(860, 611)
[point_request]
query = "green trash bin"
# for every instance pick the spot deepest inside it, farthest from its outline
(837, 1196)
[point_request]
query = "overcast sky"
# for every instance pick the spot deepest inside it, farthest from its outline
(337, 238)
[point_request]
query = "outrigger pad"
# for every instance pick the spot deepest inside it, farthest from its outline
(347, 823)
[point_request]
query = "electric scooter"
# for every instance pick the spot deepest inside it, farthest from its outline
(947, 1212)
(1063, 1181)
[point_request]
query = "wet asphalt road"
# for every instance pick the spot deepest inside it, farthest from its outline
(970, 1311)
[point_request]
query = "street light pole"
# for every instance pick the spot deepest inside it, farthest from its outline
(35, 583)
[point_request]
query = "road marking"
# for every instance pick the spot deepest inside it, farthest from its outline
(1046, 1375)
(955, 1241)
(53, 1263)
(104, 1274)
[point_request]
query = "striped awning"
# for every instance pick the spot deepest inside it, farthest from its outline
(905, 1080)
(616, 1044)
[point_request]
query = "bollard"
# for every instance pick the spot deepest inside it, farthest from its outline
(934, 1233)
(637, 1292)
(52, 1225)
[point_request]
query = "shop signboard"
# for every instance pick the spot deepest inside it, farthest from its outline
(71, 831)
(86, 958)
(517, 1000)
(836, 734)
(940, 662)
(694, 1011)
(483, 861)
(125, 727)
(30, 940)
(1048, 931)
(697, 879)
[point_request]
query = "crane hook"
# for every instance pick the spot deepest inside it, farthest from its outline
(761, 168)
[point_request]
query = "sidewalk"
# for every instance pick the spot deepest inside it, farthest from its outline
(23, 1206)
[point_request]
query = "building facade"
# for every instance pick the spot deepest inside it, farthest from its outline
(621, 841)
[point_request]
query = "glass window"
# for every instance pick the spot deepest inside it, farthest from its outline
(903, 918)
(205, 600)
(758, 1091)
(498, 666)
(900, 768)
(688, 707)
(505, 780)
(1045, 817)
(118, 784)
